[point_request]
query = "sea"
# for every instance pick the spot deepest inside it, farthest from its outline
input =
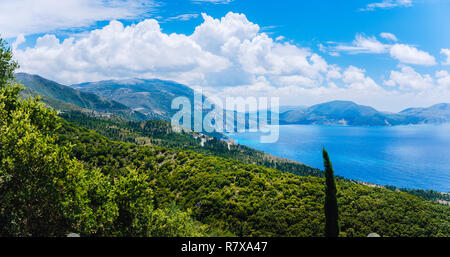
(414, 156)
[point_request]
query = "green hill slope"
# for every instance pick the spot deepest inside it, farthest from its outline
(152, 97)
(251, 200)
(64, 98)
(160, 133)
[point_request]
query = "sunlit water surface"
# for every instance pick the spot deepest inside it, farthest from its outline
(403, 156)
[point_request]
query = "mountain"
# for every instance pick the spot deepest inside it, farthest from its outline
(350, 113)
(151, 97)
(438, 113)
(336, 112)
(65, 98)
(143, 99)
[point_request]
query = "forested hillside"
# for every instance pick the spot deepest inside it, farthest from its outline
(95, 186)
(160, 133)
(251, 200)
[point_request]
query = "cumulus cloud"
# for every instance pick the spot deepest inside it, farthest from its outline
(221, 52)
(356, 79)
(387, 4)
(407, 78)
(443, 79)
(116, 51)
(411, 55)
(388, 36)
(31, 17)
(446, 52)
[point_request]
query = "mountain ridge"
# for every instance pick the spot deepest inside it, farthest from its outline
(147, 99)
(152, 97)
(65, 98)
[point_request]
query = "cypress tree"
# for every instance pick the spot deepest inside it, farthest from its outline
(331, 208)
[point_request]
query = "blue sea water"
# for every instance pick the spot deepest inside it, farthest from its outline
(403, 156)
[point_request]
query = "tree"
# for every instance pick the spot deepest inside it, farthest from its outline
(7, 64)
(42, 190)
(331, 207)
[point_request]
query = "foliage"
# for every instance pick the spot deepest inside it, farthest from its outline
(429, 195)
(160, 133)
(38, 181)
(7, 64)
(46, 192)
(251, 200)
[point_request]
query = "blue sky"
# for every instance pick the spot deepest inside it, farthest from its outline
(308, 23)
(390, 54)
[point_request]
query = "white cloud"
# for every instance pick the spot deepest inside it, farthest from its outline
(355, 78)
(388, 36)
(183, 17)
(213, 34)
(334, 72)
(296, 80)
(31, 17)
(280, 38)
(411, 55)
(408, 79)
(443, 79)
(221, 52)
(335, 54)
(20, 39)
(402, 52)
(384, 100)
(387, 4)
(363, 44)
(446, 52)
(116, 51)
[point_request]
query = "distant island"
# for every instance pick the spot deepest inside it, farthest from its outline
(352, 114)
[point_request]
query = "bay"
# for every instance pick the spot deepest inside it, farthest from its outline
(404, 156)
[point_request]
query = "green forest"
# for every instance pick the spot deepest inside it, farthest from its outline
(58, 177)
